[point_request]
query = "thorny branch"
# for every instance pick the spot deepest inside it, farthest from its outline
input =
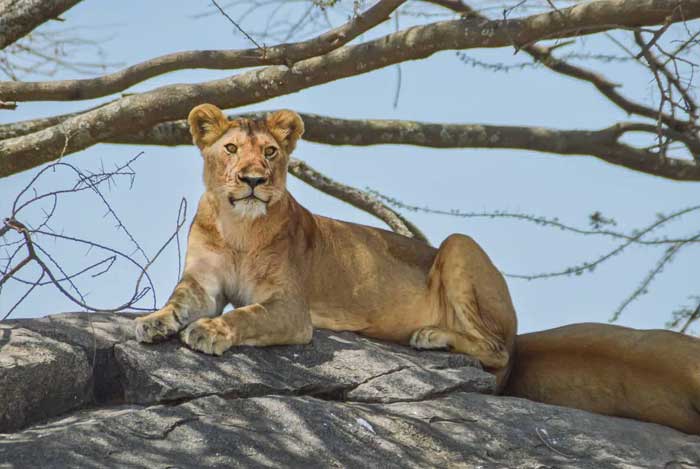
(671, 244)
(685, 315)
(51, 271)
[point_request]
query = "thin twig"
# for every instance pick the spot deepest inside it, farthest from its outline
(360, 199)
(226, 15)
(693, 317)
(50, 266)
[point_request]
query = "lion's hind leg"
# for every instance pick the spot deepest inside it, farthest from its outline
(475, 315)
(431, 338)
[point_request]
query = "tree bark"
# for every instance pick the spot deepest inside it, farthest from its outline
(20, 17)
(133, 113)
(283, 54)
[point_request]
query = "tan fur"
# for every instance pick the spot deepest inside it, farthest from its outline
(286, 270)
(649, 375)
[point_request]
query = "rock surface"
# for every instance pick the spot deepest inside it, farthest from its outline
(342, 401)
(39, 377)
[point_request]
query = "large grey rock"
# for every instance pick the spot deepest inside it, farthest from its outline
(334, 365)
(96, 334)
(341, 401)
(39, 377)
(460, 430)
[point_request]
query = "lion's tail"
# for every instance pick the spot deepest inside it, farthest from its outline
(651, 375)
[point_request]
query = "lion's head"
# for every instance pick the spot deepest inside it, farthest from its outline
(245, 160)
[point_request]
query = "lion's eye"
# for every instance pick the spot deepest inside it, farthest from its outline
(270, 152)
(230, 148)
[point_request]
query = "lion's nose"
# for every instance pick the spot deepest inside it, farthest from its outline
(253, 181)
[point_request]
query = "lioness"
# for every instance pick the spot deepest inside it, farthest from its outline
(252, 245)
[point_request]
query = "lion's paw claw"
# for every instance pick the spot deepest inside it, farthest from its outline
(156, 326)
(210, 336)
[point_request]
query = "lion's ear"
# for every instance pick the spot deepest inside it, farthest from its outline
(286, 126)
(207, 124)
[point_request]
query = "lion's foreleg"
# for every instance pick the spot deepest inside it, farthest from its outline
(272, 323)
(194, 297)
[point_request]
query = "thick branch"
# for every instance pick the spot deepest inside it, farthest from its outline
(8, 106)
(602, 144)
(357, 198)
(132, 113)
(20, 128)
(20, 17)
(283, 54)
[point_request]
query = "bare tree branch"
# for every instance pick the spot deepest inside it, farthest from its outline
(357, 198)
(47, 50)
(20, 128)
(657, 68)
(606, 87)
(49, 264)
(603, 144)
(131, 113)
(236, 25)
(643, 287)
(695, 315)
(283, 54)
(596, 220)
(640, 236)
(19, 17)
(455, 5)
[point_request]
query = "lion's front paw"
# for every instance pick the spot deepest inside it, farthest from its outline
(156, 326)
(212, 336)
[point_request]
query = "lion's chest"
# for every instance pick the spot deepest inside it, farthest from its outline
(253, 279)
(238, 291)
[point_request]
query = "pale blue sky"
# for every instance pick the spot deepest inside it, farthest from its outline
(440, 89)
